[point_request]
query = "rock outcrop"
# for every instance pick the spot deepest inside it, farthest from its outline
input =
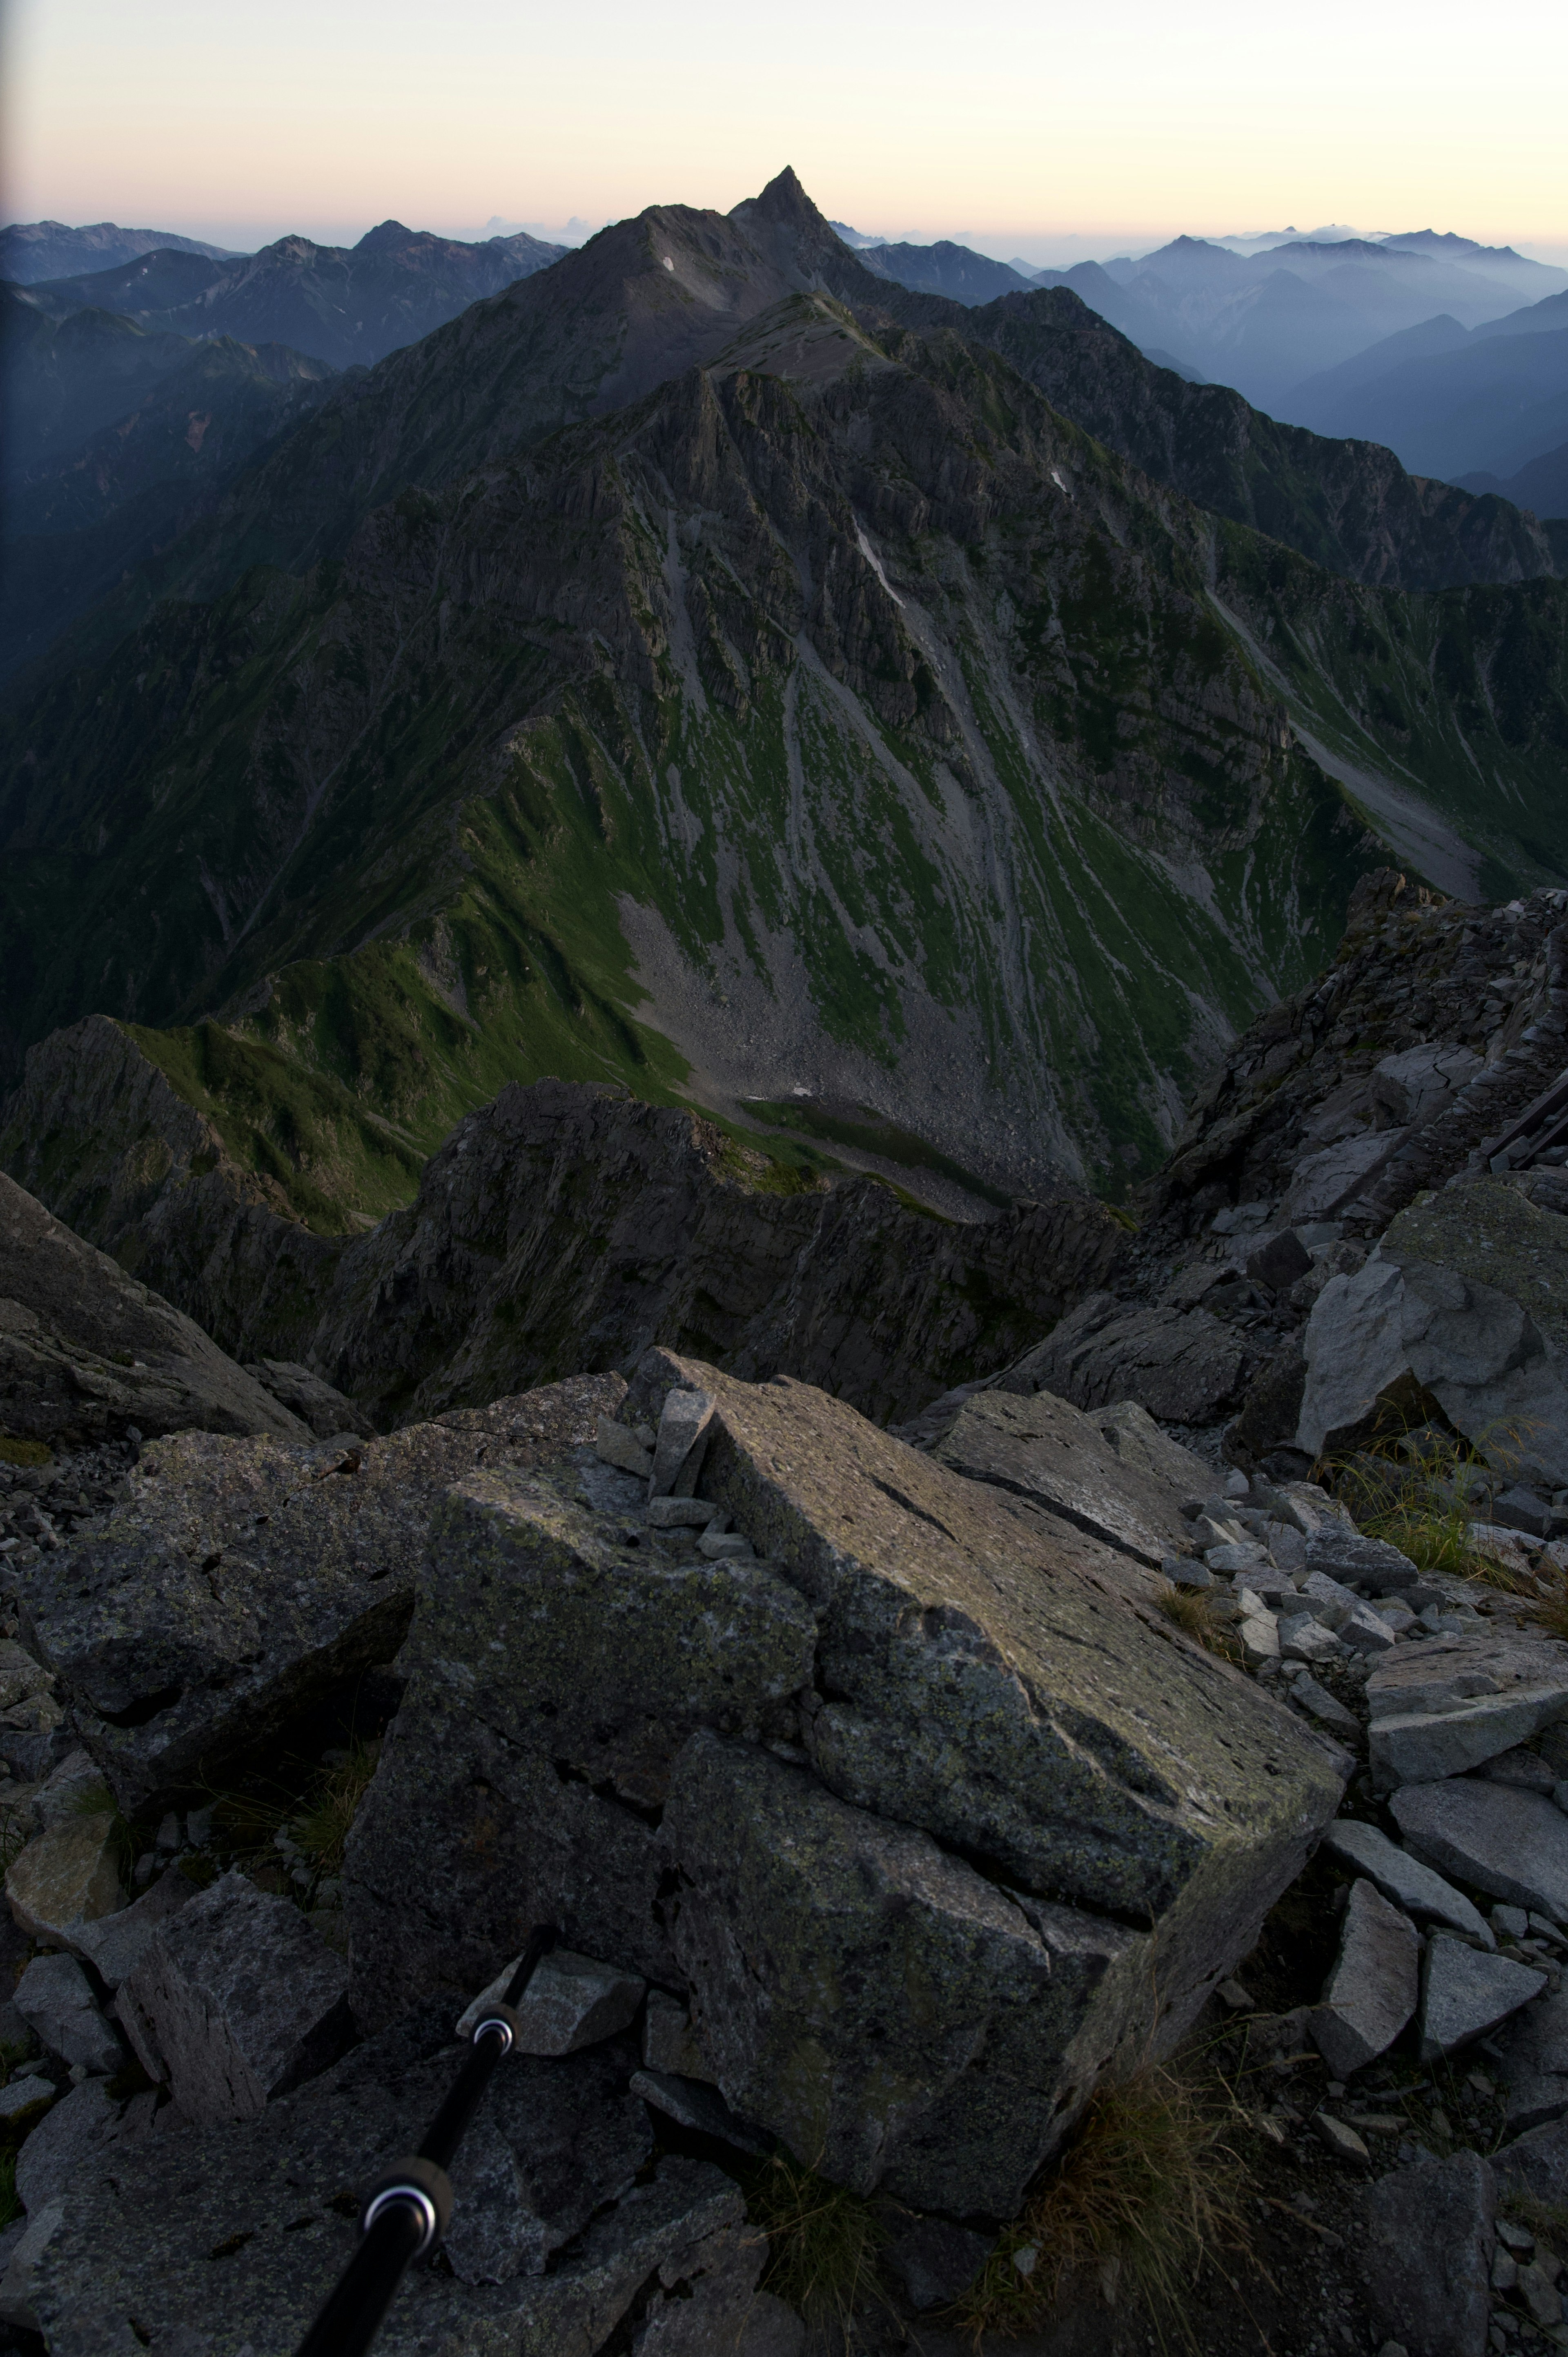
(913, 1676)
(87, 1353)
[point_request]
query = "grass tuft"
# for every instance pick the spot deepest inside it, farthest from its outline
(1192, 1610)
(22, 1452)
(323, 1827)
(823, 2242)
(1147, 2192)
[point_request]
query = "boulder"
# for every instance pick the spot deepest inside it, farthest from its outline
(696, 2103)
(1372, 1992)
(1510, 1843)
(1534, 2065)
(242, 1578)
(1464, 1993)
(1324, 1182)
(835, 1755)
(1466, 1298)
(56, 2001)
(1057, 1461)
(86, 1352)
(1425, 2257)
(1338, 1551)
(553, 2238)
(66, 1876)
(572, 2001)
(1535, 2165)
(236, 1999)
(1443, 1707)
(17, 2289)
(1184, 1368)
(1402, 1879)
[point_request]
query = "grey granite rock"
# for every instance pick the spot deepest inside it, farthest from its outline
(1464, 1993)
(1510, 1843)
(54, 1999)
(115, 1944)
(1440, 1709)
(87, 1353)
(1372, 1992)
(1535, 2164)
(308, 1395)
(694, 2103)
(571, 2002)
(239, 1999)
(936, 2260)
(1057, 1461)
(1184, 1367)
(872, 2000)
(58, 2156)
(1343, 1554)
(254, 2219)
(16, 2288)
(1402, 1879)
(1427, 2254)
(1534, 2065)
(679, 1444)
(242, 1578)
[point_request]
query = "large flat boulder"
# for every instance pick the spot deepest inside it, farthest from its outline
(890, 1769)
(1498, 1838)
(1113, 1480)
(1466, 1295)
(1444, 1707)
(206, 2237)
(86, 1352)
(241, 1579)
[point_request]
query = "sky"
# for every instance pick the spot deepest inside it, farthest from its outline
(1023, 126)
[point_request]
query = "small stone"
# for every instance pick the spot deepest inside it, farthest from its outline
(169, 1832)
(1372, 1992)
(54, 1999)
(1365, 1631)
(572, 2001)
(684, 1514)
(725, 1546)
(20, 2096)
(1345, 1556)
(678, 1451)
(1226, 1562)
(1325, 1705)
(17, 2291)
(615, 1445)
(668, 2041)
(1187, 1571)
(1510, 1922)
(1540, 2294)
(70, 1874)
(1505, 2270)
(697, 2104)
(1235, 1998)
(1260, 1640)
(1302, 1639)
(1340, 2139)
(1465, 1994)
(1410, 1885)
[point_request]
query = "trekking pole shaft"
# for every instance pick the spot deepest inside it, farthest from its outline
(352, 2316)
(447, 2129)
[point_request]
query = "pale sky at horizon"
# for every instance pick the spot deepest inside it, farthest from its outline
(1090, 130)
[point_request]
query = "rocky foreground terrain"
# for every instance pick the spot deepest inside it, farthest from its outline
(950, 1686)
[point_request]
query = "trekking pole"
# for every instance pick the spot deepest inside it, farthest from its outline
(408, 2211)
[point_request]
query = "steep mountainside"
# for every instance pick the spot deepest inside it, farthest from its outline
(79, 522)
(30, 251)
(1486, 405)
(343, 304)
(1542, 486)
(820, 719)
(60, 381)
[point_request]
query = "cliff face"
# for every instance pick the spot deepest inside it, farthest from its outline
(559, 1228)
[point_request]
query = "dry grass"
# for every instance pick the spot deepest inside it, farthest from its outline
(323, 1827)
(1409, 1491)
(823, 2243)
(1192, 1610)
(22, 1452)
(314, 1829)
(1147, 2192)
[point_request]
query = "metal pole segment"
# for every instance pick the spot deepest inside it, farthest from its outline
(396, 2226)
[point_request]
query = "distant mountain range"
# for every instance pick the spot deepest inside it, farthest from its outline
(344, 304)
(33, 250)
(1542, 486)
(710, 666)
